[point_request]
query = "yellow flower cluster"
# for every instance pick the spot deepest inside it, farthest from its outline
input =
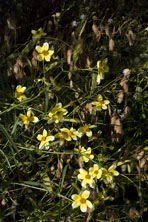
(86, 177)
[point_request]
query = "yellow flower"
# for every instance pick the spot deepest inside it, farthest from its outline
(44, 139)
(57, 113)
(19, 94)
(86, 130)
(109, 173)
(87, 152)
(26, 119)
(102, 68)
(95, 172)
(81, 201)
(38, 34)
(100, 103)
(44, 52)
(85, 178)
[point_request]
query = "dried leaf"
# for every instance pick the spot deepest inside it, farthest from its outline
(124, 81)
(80, 162)
(34, 59)
(97, 32)
(69, 55)
(89, 107)
(118, 130)
(107, 30)
(130, 37)
(133, 213)
(83, 115)
(88, 62)
(18, 70)
(142, 162)
(120, 96)
(50, 26)
(118, 126)
(124, 85)
(71, 84)
(126, 111)
(60, 167)
(113, 118)
(111, 45)
(11, 24)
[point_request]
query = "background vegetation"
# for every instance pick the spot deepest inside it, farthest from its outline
(37, 184)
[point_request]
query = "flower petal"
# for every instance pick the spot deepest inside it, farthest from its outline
(48, 58)
(50, 138)
(75, 204)
(43, 144)
(98, 79)
(85, 194)
(44, 133)
(39, 137)
(34, 119)
(39, 49)
(40, 57)
(99, 98)
(106, 102)
(89, 204)
(83, 207)
(89, 133)
(33, 32)
(76, 197)
(45, 46)
(104, 106)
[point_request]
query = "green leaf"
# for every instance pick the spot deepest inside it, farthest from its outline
(11, 142)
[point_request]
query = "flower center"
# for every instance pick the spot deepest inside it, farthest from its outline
(82, 201)
(85, 129)
(58, 113)
(38, 32)
(108, 174)
(103, 68)
(28, 118)
(19, 94)
(87, 176)
(43, 138)
(96, 172)
(100, 103)
(70, 133)
(45, 52)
